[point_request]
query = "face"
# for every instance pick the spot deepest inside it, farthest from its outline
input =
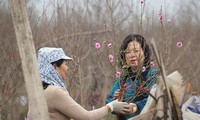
(63, 69)
(134, 54)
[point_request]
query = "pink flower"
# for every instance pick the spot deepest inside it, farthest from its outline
(97, 45)
(111, 58)
(104, 42)
(143, 69)
(124, 66)
(118, 74)
(142, 1)
(179, 44)
(152, 64)
(26, 118)
(161, 17)
(169, 21)
(110, 45)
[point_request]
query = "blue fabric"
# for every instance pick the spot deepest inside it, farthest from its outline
(131, 86)
(48, 73)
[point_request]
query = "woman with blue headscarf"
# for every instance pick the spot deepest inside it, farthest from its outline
(53, 68)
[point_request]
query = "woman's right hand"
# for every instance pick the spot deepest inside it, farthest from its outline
(120, 107)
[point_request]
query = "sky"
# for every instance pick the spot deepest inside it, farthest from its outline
(168, 5)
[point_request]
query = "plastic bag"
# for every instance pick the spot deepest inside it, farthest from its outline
(191, 109)
(150, 104)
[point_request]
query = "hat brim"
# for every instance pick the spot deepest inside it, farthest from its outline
(66, 58)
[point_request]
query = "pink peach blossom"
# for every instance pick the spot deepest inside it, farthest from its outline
(143, 69)
(161, 17)
(97, 45)
(118, 74)
(169, 21)
(152, 64)
(26, 118)
(124, 66)
(104, 42)
(110, 45)
(179, 44)
(111, 58)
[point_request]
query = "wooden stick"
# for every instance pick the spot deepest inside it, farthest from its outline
(159, 97)
(163, 73)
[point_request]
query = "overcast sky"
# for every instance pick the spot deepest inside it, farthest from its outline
(169, 5)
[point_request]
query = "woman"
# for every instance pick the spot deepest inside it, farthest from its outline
(53, 68)
(138, 76)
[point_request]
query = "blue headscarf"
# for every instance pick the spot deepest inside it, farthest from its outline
(48, 73)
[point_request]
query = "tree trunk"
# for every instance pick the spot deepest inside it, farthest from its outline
(37, 103)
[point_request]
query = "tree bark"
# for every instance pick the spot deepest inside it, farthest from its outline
(37, 103)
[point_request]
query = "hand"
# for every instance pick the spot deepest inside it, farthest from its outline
(120, 107)
(116, 94)
(119, 93)
(133, 107)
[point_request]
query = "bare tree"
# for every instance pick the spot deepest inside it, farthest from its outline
(37, 103)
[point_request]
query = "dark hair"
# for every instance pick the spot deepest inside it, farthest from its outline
(144, 46)
(128, 73)
(58, 62)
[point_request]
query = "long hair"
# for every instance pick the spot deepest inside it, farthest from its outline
(145, 48)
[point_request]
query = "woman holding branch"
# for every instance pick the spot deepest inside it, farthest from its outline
(137, 77)
(53, 68)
